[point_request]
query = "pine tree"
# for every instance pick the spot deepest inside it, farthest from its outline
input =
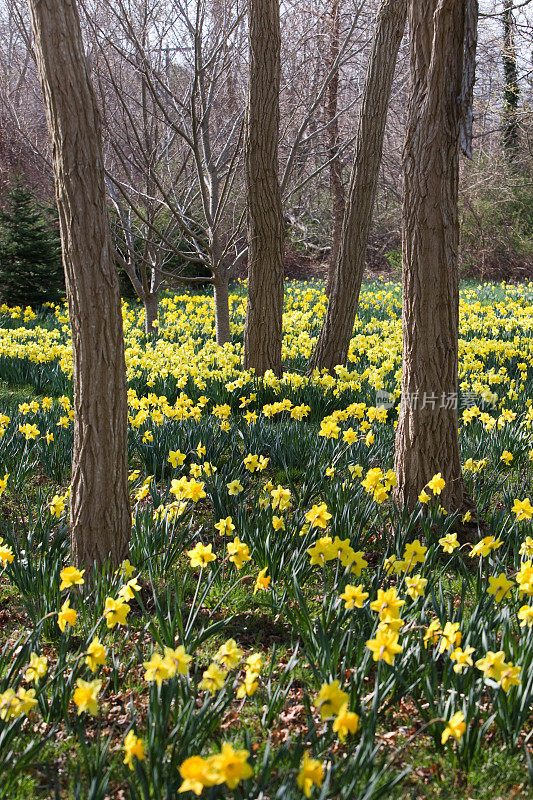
(31, 272)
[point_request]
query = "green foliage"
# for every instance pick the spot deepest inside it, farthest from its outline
(394, 257)
(31, 272)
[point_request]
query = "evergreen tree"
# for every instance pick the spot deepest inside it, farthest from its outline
(31, 272)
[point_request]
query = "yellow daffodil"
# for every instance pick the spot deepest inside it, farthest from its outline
(455, 727)
(133, 748)
(311, 774)
(86, 696)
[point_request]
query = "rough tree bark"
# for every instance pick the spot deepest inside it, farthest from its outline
(151, 311)
(335, 165)
(222, 317)
(426, 438)
(469, 76)
(100, 514)
(334, 339)
(263, 328)
(511, 92)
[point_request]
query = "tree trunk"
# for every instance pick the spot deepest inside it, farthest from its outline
(335, 166)
(151, 307)
(222, 324)
(469, 76)
(511, 131)
(426, 438)
(100, 514)
(336, 332)
(263, 328)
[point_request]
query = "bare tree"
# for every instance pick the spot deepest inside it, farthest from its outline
(20, 93)
(427, 434)
(305, 141)
(154, 63)
(193, 67)
(334, 339)
(174, 155)
(262, 333)
(143, 261)
(100, 514)
(170, 78)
